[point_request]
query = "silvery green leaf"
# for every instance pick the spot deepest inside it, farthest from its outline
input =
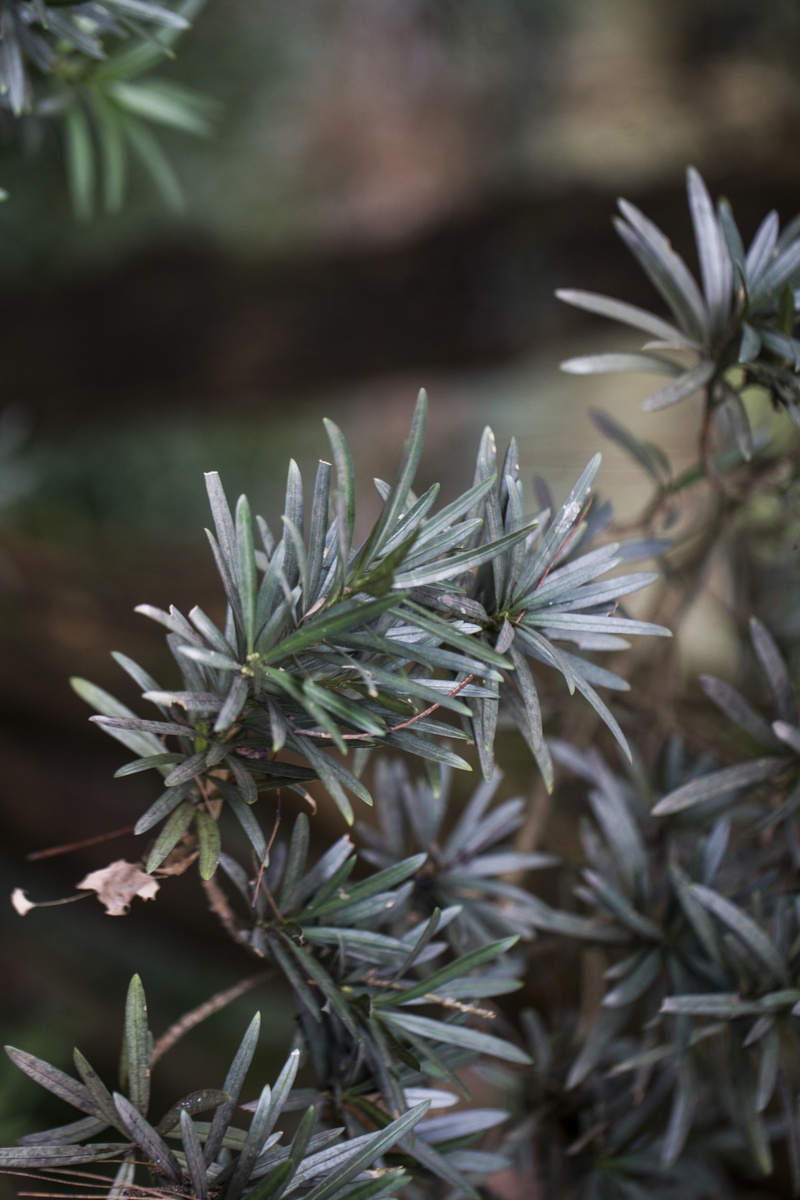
(530, 697)
(234, 704)
(650, 458)
(775, 671)
(360, 944)
(344, 476)
(726, 782)
(313, 972)
(196, 1102)
(235, 628)
(163, 762)
(685, 385)
(208, 842)
(665, 269)
(762, 248)
(743, 1102)
(142, 743)
(594, 364)
(449, 1034)
(598, 676)
(620, 907)
(607, 1026)
(604, 713)
(623, 837)
(411, 521)
(460, 1124)
(318, 530)
(295, 868)
(744, 927)
(162, 102)
(458, 564)
(628, 314)
(554, 541)
(146, 1137)
(401, 486)
(138, 1046)
(739, 421)
(329, 772)
(458, 969)
(20, 1158)
(376, 884)
(734, 705)
(210, 658)
(776, 276)
(367, 1154)
(223, 523)
(246, 569)
(99, 1092)
(788, 734)
(404, 739)
(188, 769)
(244, 780)
(232, 1086)
(468, 503)
(163, 728)
(784, 347)
(172, 620)
(193, 1151)
(542, 650)
(244, 815)
(573, 575)
(715, 263)
(55, 1081)
(715, 847)
(459, 842)
(470, 837)
(170, 835)
(634, 985)
(161, 808)
(506, 862)
(750, 345)
(307, 882)
(256, 1136)
(684, 1105)
(768, 1069)
(595, 594)
(75, 1131)
(731, 234)
(157, 13)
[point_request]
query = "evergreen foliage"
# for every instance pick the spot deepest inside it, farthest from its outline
(676, 1070)
(85, 68)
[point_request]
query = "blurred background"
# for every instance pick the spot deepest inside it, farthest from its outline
(394, 191)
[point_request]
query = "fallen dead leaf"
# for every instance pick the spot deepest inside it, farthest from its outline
(21, 902)
(117, 884)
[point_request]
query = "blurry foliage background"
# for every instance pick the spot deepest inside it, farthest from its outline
(395, 188)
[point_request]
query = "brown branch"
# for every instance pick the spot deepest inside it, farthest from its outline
(52, 851)
(220, 906)
(207, 1009)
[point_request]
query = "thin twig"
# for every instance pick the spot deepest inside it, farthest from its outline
(219, 905)
(52, 851)
(207, 1009)
(265, 860)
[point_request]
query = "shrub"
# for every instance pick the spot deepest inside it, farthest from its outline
(676, 1071)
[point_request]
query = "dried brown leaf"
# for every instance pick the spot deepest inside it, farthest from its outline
(117, 884)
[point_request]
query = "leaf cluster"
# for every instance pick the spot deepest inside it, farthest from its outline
(87, 67)
(736, 330)
(213, 1157)
(329, 645)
